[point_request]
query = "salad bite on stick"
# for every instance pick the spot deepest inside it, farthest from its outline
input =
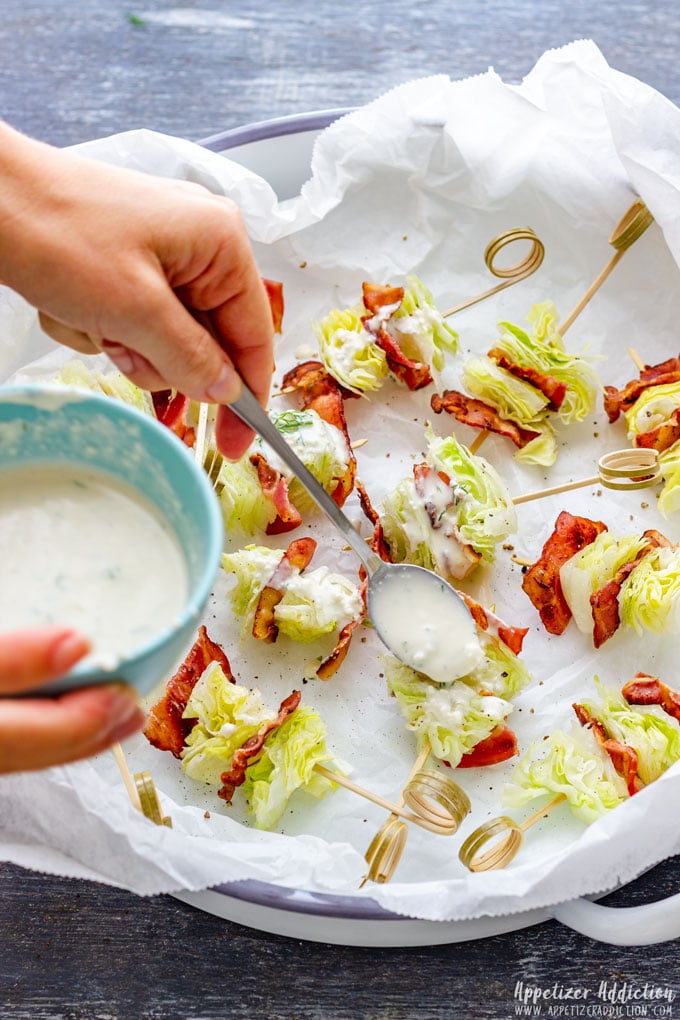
(618, 750)
(526, 382)
(449, 516)
(275, 594)
(603, 582)
(650, 405)
(464, 722)
(393, 330)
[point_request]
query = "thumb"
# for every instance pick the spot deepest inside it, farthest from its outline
(29, 658)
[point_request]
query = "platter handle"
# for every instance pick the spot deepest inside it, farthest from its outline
(645, 925)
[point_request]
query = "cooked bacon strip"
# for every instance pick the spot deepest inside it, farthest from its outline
(500, 745)
(414, 374)
(296, 557)
(275, 294)
(662, 436)
(379, 544)
(377, 296)
(165, 728)
(171, 411)
(243, 757)
(604, 603)
(275, 488)
(382, 301)
(513, 637)
(332, 663)
(616, 401)
(649, 690)
(542, 581)
(321, 393)
(552, 389)
(479, 415)
(623, 757)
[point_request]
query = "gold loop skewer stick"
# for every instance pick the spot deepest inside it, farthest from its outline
(130, 786)
(509, 274)
(625, 233)
(503, 851)
(423, 820)
(633, 224)
(440, 804)
(148, 798)
(635, 358)
(622, 469)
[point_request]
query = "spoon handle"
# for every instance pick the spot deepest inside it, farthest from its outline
(249, 410)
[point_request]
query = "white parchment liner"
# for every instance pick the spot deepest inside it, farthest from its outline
(418, 181)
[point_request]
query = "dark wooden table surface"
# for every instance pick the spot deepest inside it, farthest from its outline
(73, 71)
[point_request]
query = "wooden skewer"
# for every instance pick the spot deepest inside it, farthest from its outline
(637, 219)
(622, 470)
(129, 782)
(201, 429)
(635, 358)
(394, 809)
(505, 849)
(510, 274)
(627, 231)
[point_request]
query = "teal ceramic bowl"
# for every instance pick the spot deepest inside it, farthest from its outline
(55, 426)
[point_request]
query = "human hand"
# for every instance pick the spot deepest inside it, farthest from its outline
(38, 732)
(117, 260)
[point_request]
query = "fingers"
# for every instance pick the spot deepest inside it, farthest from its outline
(32, 657)
(39, 732)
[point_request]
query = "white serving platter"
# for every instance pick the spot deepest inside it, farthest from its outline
(280, 151)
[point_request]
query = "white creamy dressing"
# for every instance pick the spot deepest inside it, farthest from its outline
(334, 598)
(425, 624)
(433, 521)
(314, 441)
(410, 330)
(348, 348)
(79, 550)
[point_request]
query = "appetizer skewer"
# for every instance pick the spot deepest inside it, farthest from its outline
(621, 748)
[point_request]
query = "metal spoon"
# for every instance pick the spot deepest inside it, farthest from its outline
(420, 618)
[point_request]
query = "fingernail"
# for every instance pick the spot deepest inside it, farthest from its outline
(120, 356)
(124, 716)
(225, 389)
(67, 651)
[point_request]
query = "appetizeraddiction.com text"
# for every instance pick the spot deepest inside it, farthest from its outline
(612, 1000)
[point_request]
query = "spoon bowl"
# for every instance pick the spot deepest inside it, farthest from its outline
(418, 615)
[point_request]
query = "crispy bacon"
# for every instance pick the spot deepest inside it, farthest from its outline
(378, 544)
(244, 756)
(552, 389)
(297, 556)
(414, 374)
(500, 745)
(479, 415)
(381, 302)
(616, 401)
(171, 411)
(165, 728)
(662, 436)
(623, 757)
(275, 488)
(275, 294)
(377, 296)
(513, 637)
(649, 690)
(321, 393)
(542, 581)
(604, 603)
(332, 663)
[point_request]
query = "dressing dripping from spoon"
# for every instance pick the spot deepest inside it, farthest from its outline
(417, 615)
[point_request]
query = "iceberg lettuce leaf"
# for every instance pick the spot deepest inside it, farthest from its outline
(349, 352)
